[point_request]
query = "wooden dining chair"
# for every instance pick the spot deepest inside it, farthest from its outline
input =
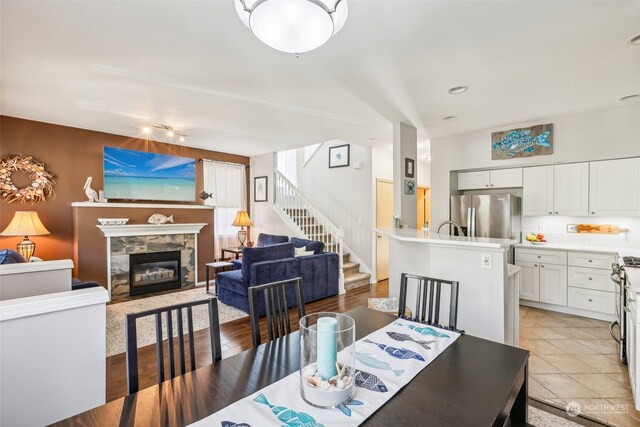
(277, 312)
(132, 339)
(428, 292)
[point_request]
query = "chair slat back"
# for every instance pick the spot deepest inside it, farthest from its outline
(132, 341)
(278, 322)
(427, 304)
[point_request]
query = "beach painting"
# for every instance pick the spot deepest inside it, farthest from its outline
(139, 175)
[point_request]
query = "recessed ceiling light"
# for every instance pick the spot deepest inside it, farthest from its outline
(182, 139)
(635, 40)
(170, 133)
(146, 129)
(448, 118)
(633, 97)
(458, 89)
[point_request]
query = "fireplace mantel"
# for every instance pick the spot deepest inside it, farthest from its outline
(138, 205)
(149, 229)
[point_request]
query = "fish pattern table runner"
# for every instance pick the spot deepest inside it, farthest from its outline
(386, 360)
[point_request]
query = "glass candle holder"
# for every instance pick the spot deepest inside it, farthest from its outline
(327, 359)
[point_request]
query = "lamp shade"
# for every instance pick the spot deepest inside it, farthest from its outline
(25, 223)
(242, 220)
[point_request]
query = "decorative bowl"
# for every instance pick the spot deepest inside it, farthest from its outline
(538, 243)
(113, 221)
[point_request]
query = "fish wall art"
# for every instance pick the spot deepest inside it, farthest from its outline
(522, 142)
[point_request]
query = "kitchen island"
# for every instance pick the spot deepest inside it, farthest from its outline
(479, 265)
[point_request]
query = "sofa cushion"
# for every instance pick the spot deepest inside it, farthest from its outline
(9, 256)
(267, 253)
(309, 245)
(231, 280)
(270, 239)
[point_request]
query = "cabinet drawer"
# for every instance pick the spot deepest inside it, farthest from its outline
(542, 255)
(591, 260)
(587, 299)
(590, 278)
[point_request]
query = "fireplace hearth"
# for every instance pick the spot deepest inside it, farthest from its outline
(154, 272)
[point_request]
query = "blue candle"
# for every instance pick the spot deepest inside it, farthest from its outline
(327, 347)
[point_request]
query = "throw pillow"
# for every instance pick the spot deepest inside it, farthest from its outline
(302, 252)
(9, 256)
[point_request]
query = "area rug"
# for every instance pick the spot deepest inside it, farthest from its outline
(540, 418)
(116, 340)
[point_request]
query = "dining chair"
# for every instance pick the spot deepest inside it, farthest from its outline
(428, 292)
(132, 339)
(275, 303)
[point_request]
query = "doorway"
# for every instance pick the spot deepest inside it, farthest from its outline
(424, 207)
(384, 215)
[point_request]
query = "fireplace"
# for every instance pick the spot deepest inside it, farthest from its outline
(154, 271)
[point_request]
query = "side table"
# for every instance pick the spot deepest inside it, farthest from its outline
(232, 249)
(218, 265)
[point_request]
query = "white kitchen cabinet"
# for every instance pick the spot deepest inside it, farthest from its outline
(498, 178)
(614, 187)
(592, 300)
(537, 191)
(571, 189)
(553, 284)
(529, 280)
(556, 190)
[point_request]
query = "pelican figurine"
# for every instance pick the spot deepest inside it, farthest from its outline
(90, 192)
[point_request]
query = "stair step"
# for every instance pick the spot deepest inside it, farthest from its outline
(356, 280)
(350, 267)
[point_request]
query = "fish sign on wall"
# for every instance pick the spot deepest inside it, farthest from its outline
(523, 142)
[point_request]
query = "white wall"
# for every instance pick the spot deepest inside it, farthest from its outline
(382, 166)
(606, 134)
(343, 195)
(264, 217)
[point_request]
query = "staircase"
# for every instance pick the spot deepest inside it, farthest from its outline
(309, 223)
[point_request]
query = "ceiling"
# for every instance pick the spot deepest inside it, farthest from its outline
(116, 66)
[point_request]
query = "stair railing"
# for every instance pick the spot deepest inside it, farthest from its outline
(308, 220)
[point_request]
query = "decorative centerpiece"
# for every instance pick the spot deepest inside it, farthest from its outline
(113, 221)
(327, 362)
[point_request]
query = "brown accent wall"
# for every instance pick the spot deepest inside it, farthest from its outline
(73, 154)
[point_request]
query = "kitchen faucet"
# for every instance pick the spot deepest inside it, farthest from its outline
(458, 228)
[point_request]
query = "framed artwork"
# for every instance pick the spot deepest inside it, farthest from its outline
(409, 186)
(522, 142)
(409, 168)
(260, 188)
(339, 156)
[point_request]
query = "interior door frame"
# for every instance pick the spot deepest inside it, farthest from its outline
(385, 181)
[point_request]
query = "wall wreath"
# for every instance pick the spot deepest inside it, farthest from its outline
(41, 186)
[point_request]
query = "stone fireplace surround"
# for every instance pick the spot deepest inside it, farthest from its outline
(123, 240)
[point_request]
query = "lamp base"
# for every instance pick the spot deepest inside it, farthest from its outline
(242, 237)
(26, 248)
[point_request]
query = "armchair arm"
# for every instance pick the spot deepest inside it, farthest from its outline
(273, 271)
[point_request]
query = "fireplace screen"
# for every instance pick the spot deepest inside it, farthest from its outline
(153, 272)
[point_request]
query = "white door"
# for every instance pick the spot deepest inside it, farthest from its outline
(506, 178)
(553, 284)
(571, 189)
(384, 215)
(529, 280)
(614, 187)
(537, 191)
(473, 180)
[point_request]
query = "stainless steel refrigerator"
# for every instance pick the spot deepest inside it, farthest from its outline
(487, 215)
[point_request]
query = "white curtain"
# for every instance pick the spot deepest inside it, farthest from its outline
(228, 185)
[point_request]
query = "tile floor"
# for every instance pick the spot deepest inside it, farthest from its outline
(574, 359)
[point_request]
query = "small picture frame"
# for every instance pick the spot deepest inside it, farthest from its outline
(339, 156)
(409, 168)
(409, 186)
(260, 189)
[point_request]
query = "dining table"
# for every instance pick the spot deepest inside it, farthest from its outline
(474, 382)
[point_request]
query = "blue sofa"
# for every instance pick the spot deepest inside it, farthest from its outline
(275, 262)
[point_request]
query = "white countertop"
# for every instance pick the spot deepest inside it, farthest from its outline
(512, 269)
(568, 247)
(420, 236)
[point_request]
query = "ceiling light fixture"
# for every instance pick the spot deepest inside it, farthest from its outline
(635, 40)
(458, 89)
(633, 97)
(146, 129)
(448, 118)
(293, 26)
(170, 132)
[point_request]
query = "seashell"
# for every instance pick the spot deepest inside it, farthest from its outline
(324, 385)
(314, 381)
(309, 371)
(340, 384)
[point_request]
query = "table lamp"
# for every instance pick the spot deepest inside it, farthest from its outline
(242, 220)
(25, 223)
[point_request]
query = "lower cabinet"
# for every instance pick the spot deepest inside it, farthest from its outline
(553, 284)
(588, 299)
(529, 280)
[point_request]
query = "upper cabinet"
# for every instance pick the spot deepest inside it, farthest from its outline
(615, 187)
(499, 178)
(556, 190)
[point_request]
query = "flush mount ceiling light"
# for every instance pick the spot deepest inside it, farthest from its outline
(635, 40)
(169, 131)
(633, 97)
(458, 89)
(449, 118)
(293, 26)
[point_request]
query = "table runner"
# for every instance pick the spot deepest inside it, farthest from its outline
(386, 361)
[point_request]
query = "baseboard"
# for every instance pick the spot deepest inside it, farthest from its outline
(569, 310)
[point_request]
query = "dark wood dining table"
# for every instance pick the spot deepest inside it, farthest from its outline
(474, 382)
